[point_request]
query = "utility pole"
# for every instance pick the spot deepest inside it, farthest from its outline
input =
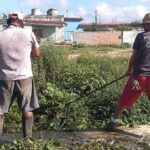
(96, 17)
(67, 13)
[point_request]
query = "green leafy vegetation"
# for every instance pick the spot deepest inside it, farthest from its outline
(98, 144)
(31, 144)
(117, 144)
(82, 48)
(60, 80)
(124, 28)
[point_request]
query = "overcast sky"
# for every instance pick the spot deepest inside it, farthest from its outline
(107, 10)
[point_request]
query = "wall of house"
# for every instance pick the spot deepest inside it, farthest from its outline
(129, 36)
(102, 37)
(59, 34)
(48, 32)
(1, 27)
(54, 34)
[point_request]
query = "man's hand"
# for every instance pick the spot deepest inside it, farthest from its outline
(135, 85)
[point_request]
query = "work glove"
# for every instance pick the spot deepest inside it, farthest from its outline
(135, 85)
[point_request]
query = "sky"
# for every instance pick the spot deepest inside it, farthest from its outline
(90, 10)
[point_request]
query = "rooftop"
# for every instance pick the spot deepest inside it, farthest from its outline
(44, 22)
(103, 24)
(73, 19)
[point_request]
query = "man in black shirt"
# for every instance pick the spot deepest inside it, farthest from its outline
(138, 72)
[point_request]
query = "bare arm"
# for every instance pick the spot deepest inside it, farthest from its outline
(35, 52)
(35, 46)
(131, 62)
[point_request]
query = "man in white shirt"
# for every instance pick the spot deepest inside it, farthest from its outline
(17, 46)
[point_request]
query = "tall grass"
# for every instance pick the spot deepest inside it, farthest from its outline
(59, 81)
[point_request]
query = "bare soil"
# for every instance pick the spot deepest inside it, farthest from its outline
(113, 53)
(78, 136)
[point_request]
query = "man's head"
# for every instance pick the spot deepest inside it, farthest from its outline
(146, 22)
(15, 19)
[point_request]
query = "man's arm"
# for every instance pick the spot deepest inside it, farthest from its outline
(35, 52)
(35, 46)
(131, 62)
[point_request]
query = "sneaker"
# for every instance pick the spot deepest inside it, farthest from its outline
(110, 126)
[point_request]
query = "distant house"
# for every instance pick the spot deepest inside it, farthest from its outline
(51, 26)
(109, 26)
(46, 27)
(107, 33)
(72, 26)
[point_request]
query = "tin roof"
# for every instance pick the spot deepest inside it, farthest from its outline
(44, 22)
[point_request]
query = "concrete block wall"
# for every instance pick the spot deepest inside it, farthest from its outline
(101, 37)
(129, 36)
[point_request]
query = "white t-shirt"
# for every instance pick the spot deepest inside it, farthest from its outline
(16, 45)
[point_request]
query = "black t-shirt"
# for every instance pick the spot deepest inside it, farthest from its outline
(142, 60)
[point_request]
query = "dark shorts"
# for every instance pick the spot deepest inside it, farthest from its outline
(130, 96)
(23, 90)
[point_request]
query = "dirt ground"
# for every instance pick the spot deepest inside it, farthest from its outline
(76, 137)
(114, 53)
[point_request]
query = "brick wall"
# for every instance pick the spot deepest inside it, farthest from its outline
(102, 37)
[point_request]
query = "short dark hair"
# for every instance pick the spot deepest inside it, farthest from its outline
(13, 21)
